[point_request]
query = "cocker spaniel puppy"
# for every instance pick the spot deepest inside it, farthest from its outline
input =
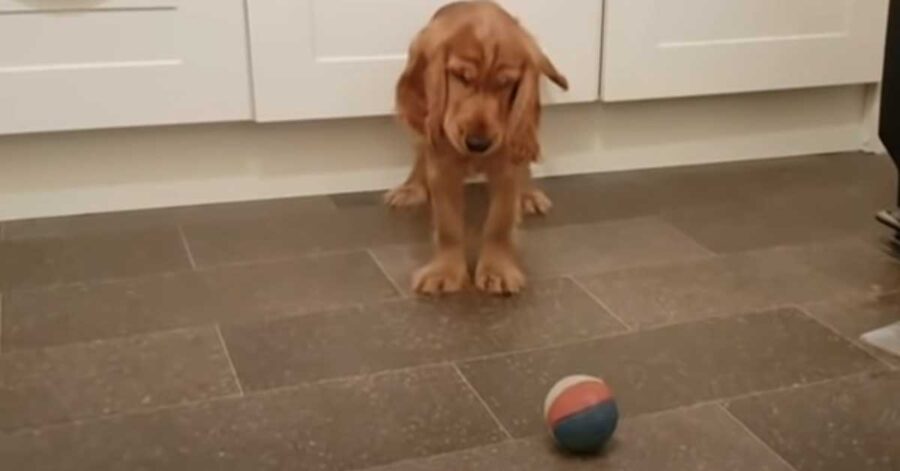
(470, 92)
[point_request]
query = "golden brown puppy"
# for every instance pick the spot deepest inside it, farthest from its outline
(471, 92)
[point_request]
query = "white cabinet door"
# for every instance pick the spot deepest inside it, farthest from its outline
(337, 58)
(668, 48)
(73, 64)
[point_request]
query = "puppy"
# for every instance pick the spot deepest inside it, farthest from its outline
(471, 94)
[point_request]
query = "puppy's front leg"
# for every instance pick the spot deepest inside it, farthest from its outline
(498, 269)
(446, 273)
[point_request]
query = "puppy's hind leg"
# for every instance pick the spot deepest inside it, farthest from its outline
(533, 199)
(414, 191)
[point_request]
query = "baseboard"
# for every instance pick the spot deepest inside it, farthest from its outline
(100, 171)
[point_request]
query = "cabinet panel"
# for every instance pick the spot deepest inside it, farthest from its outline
(669, 48)
(78, 64)
(337, 58)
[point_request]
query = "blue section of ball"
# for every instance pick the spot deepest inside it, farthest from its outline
(588, 430)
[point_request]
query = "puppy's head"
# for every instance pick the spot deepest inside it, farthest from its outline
(472, 81)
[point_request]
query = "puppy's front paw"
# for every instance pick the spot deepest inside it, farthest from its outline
(441, 276)
(499, 273)
(406, 196)
(535, 201)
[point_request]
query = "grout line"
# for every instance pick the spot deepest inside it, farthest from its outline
(356, 377)
(124, 337)
(224, 398)
(582, 287)
(756, 437)
(719, 403)
(289, 257)
(612, 335)
(187, 248)
(437, 456)
(853, 341)
(484, 403)
(207, 268)
(793, 387)
(117, 415)
(384, 272)
(237, 380)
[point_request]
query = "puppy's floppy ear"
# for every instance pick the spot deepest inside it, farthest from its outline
(412, 107)
(436, 94)
(421, 95)
(524, 118)
(525, 113)
(543, 63)
(548, 69)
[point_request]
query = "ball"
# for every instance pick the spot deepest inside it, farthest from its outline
(581, 413)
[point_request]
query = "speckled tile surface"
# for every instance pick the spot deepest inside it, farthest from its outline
(79, 312)
(343, 425)
(93, 257)
(673, 366)
(855, 316)
(851, 424)
(723, 303)
(750, 281)
(406, 333)
(83, 381)
(699, 438)
(265, 238)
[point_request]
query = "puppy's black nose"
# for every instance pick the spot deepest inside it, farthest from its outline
(478, 144)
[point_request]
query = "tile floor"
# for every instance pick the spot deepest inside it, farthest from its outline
(723, 303)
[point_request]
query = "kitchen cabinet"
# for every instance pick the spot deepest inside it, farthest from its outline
(76, 64)
(673, 48)
(340, 58)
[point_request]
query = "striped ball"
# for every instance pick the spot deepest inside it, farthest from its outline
(581, 413)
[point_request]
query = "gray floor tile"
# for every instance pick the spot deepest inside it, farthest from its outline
(700, 438)
(304, 284)
(844, 425)
(856, 265)
(341, 425)
(358, 199)
(606, 246)
(400, 262)
(33, 318)
(413, 332)
(116, 222)
(62, 384)
(786, 217)
(743, 282)
(254, 210)
(83, 312)
(87, 224)
(672, 366)
(777, 179)
(856, 316)
(214, 243)
(49, 261)
(585, 199)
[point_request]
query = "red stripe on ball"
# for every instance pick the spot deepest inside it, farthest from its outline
(577, 398)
